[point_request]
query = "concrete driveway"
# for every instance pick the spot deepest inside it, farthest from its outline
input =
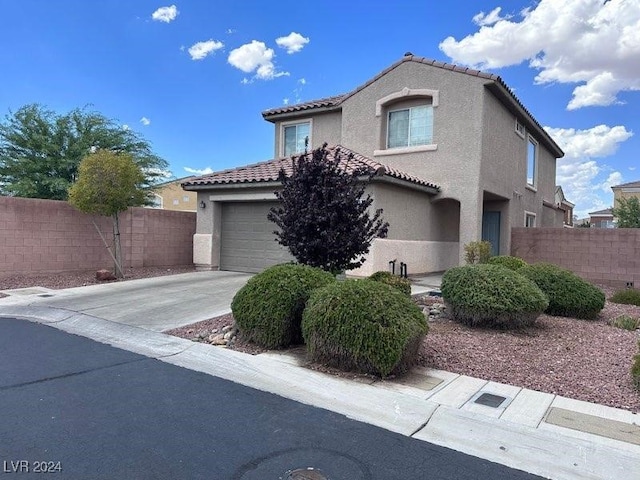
(158, 304)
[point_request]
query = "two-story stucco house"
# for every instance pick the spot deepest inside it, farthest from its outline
(459, 158)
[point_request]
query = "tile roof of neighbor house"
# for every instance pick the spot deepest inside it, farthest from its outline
(268, 171)
(335, 101)
(606, 211)
(635, 184)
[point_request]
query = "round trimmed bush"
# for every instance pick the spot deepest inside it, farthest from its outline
(492, 296)
(512, 263)
(268, 309)
(569, 295)
(363, 326)
(401, 284)
(629, 296)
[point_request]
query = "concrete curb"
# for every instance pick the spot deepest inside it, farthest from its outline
(431, 405)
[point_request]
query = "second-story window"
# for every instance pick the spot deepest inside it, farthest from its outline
(532, 162)
(295, 137)
(410, 127)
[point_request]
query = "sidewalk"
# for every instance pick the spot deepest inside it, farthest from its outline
(540, 433)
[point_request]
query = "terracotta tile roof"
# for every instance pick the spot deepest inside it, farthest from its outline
(408, 57)
(268, 171)
(323, 102)
(635, 184)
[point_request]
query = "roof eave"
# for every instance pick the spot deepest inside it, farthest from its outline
(498, 88)
(428, 189)
(274, 117)
(232, 185)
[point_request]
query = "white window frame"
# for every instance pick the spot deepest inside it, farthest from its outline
(528, 215)
(292, 123)
(185, 198)
(405, 94)
(519, 128)
(532, 186)
(409, 109)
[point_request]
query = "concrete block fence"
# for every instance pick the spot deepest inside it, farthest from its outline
(51, 236)
(599, 255)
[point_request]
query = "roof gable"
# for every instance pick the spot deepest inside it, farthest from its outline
(635, 184)
(497, 86)
(264, 172)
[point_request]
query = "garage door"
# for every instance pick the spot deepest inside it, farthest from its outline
(247, 242)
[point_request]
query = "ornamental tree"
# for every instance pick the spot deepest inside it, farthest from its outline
(627, 212)
(324, 218)
(108, 183)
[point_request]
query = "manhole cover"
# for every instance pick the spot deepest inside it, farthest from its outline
(490, 400)
(309, 473)
(327, 465)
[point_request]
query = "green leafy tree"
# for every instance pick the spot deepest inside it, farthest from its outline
(324, 217)
(40, 150)
(627, 212)
(108, 183)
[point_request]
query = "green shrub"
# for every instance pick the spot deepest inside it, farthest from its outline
(401, 284)
(628, 296)
(492, 296)
(569, 295)
(512, 263)
(364, 326)
(477, 252)
(626, 322)
(268, 309)
(635, 370)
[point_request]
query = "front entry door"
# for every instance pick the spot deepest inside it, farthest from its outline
(491, 230)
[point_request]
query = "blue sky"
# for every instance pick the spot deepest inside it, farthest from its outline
(193, 76)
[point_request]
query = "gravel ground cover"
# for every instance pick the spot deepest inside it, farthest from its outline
(587, 360)
(583, 359)
(81, 279)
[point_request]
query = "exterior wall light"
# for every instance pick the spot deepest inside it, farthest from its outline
(202, 204)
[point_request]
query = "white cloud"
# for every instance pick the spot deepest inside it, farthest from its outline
(294, 42)
(145, 121)
(165, 14)
(200, 50)
(586, 182)
(285, 101)
(592, 43)
(302, 81)
(255, 57)
(125, 126)
(230, 31)
(490, 18)
(198, 171)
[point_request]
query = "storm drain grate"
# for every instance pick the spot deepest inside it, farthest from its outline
(305, 474)
(490, 400)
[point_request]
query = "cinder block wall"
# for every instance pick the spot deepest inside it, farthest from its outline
(51, 236)
(607, 256)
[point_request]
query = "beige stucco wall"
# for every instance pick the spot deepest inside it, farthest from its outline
(420, 257)
(625, 192)
(454, 165)
(175, 198)
(325, 127)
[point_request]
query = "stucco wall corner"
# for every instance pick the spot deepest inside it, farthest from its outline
(202, 251)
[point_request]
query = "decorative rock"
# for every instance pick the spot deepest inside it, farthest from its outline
(104, 275)
(227, 328)
(217, 339)
(228, 335)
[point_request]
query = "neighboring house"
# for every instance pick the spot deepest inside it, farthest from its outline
(171, 196)
(566, 206)
(626, 190)
(459, 159)
(602, 219)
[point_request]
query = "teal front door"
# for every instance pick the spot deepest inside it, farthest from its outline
(491, 230)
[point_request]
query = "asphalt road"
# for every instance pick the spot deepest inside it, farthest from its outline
(79, 409)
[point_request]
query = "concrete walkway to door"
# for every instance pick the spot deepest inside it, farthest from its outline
(157, 304)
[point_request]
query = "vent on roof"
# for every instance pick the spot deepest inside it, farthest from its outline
(408, 54)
